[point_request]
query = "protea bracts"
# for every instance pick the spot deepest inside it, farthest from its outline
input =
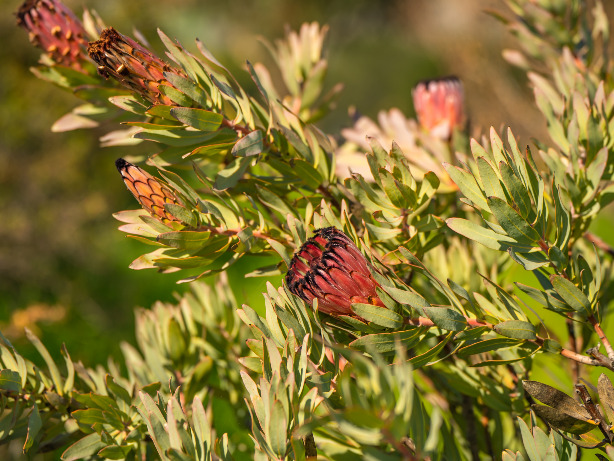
(55, 29)
(151, 193)
(439, 105)
(131, 64)
(330, 268)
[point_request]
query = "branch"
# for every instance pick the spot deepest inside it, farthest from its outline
(599, 243)
(475, 323)
(602, 337)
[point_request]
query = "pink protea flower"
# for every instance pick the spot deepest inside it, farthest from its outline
(151, 193)
(131, 64)
(439, 105)
(330, 268)
(55, 29)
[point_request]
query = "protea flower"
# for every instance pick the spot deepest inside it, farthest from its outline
(131, 64)
(150, 192)
(439, 105)
(55, 29)
(330, 268)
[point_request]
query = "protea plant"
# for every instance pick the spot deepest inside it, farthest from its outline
(131, 64)
(149, 191)
(55, 29)
(330, 268)
(439, 105)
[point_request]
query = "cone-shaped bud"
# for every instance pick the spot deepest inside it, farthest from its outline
(150, 192)
(131, 64)
(439, 105)
(330, 268)
(55, 29)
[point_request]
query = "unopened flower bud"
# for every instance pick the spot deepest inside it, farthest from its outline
(330, 268)
(439, 105)
(131, 64)
(55, 29)
(150, 192)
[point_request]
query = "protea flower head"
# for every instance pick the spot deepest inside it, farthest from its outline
(439, 105)
(55, 29)
(131, 64)
(330, 268)
(150, 192)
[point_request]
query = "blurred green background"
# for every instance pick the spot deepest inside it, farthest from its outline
(63, 263)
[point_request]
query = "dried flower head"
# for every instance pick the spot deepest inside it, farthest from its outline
(131, 64)
(330, 268)
(150, 192)
(55, 29)
(439, 105)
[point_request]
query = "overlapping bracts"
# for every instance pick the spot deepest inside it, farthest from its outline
(131, 64)
(330, 268)
(55, 29)
(149, 191)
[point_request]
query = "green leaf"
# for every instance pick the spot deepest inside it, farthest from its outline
(446, 318)
(181, 213)
(516, 329)
(89, 417)
(571, 294)
(230, 176)
(276, 432)
(545, 299)
(490, 180)
(249, 145)
(529, 261)
(53, 369)
(563, 222)
(115, 452)
(487, 237)
(34, 426)
(179, 137)
(84, 448)
(175, 95)
(200, 119)
(10, 381)
(406, 297)
(201, 427)
(517, 190)
(513, 224)
(488, 345)
(187, 88)
(188, 240)
(467, 185)
(387, 342)
(423, 359)
(378, 315)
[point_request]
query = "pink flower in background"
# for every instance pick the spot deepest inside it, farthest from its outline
(439, 105)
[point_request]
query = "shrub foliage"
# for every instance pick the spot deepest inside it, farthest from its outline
(402, 331)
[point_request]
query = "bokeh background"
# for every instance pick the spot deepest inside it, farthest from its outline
(63, 263)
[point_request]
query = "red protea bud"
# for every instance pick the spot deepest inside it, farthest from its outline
(330, 268)
(439, 105)
(131, 64)
(150, 192)
(55, 29)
